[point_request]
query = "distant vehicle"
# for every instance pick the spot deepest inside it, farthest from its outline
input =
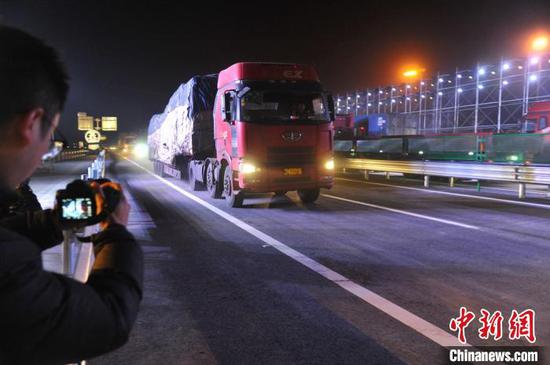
(372, 125)
(343, 126)
(376, 125)
(536, 119)
(254, 128)
(126, 143)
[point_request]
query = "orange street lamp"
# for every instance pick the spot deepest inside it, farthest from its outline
(411, 73)
(539, 43)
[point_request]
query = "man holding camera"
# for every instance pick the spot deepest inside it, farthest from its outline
(46, 318)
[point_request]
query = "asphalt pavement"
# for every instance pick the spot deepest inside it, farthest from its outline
(279, 282)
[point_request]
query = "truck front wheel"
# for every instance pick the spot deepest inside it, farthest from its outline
(308, 195)
(233, 199)
(212, 185)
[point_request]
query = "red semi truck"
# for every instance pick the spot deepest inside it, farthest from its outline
(344, 126)
(537, 118)
(263, 127)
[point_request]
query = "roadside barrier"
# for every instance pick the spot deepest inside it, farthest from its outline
(521, 174)
(77, 256)
(97, 168)
(48, 162)
(71, 154)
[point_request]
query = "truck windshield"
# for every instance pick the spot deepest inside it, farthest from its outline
(283, 106)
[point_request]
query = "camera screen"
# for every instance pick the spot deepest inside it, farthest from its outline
(78, 208)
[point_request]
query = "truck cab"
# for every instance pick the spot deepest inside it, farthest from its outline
(537, 118)
(273, 132)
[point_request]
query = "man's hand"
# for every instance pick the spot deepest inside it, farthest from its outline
(122, 209)
(121, 213)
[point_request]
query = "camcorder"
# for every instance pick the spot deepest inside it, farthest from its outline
(86, 202)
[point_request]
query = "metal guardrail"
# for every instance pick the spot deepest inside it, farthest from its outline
(521, 174)
(77, 256)
(71, 154)
(79, 267)
(97, 168)
(48, 162)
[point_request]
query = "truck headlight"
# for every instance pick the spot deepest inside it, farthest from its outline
(329, 165)
(247, 168)
(141, 150)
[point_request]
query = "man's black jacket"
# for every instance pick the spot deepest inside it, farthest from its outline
(46, 318)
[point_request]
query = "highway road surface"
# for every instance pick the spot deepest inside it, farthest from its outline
(372, 273)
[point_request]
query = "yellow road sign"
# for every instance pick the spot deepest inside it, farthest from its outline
(109, 124)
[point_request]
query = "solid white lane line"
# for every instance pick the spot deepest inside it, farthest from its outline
(409, 319)
(421, 216)
(515, 202)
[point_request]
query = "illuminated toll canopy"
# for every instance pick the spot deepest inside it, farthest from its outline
(91, 127)
(85, 121)
(488, 97)
(109, 124)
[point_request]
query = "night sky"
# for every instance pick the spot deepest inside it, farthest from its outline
(126, 58)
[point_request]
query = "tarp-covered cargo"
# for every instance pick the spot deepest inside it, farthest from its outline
(186, 126)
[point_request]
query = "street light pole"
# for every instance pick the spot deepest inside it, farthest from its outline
(379, 102)
(500, 95)
(457, 88)
(436, 111)
(525, 87)
(420, 105)
(391, 99)
(476, 112)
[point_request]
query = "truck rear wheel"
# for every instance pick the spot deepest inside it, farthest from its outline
(233, 199)
(308, 195)
(212, 185)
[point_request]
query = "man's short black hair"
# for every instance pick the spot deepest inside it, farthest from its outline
(31, 76)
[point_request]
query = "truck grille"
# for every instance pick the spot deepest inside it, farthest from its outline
(281, 156)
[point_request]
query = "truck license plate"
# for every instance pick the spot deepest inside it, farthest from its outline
(292, 171)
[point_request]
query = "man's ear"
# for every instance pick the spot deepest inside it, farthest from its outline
(27, 126)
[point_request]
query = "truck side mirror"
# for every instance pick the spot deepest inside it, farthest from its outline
(227, 106)
(331, 113)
